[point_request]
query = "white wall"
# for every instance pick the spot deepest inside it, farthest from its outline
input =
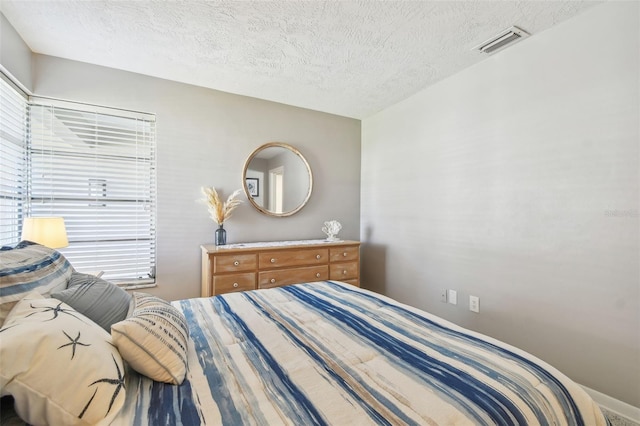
(204, 137)
(517, 181)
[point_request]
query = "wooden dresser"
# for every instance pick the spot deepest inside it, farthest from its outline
(241, 267)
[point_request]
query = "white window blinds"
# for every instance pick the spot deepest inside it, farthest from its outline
(13, 162)
(96, 168)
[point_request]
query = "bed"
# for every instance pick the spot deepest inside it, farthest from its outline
(331, 353)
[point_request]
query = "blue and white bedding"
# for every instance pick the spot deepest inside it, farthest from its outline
(330, 353)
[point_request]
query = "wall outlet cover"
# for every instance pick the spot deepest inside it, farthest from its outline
(452, 297)
(474, 304)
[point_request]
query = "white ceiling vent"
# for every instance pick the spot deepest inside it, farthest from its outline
(502, 40)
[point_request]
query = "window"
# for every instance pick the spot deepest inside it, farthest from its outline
(13, 161)
(96, 168)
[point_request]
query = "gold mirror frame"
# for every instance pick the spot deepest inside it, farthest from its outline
(253, 155)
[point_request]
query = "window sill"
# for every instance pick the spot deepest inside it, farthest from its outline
(136, 286)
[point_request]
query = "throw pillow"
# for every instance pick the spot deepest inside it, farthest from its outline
(103, 302)
(154, 339)
(58, 365)
(27, 267)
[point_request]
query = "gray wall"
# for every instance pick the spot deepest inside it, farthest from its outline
(517, 181)
(204, 137)
(15, 55)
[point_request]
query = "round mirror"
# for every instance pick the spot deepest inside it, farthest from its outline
(277, 179)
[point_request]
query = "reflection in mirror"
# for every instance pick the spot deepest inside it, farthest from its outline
(277, 179)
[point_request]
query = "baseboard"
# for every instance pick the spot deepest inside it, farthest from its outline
(614, 405)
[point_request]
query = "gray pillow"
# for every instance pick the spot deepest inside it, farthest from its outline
(99, 300)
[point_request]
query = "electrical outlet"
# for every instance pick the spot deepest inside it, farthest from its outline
(452, 297)
(474, 304)
(443, 296)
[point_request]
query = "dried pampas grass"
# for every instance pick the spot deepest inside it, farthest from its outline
(220, 211)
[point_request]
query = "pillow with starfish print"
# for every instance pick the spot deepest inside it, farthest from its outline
(59, 366)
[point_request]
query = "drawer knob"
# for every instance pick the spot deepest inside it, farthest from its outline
(236, 263)
(273, 260)
(318, 256)
(318, 275)
(344, 254)
(273, 280)
(344, 272)
(235, 285)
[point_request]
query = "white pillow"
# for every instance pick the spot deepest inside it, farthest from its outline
(154, 339)
(59, 366)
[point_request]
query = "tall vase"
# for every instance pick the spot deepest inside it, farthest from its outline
(221, 236)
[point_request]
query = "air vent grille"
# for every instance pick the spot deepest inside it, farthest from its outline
(502, 40)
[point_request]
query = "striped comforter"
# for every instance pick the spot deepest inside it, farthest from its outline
(328, 353)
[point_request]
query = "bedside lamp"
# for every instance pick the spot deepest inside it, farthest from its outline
(47, 231)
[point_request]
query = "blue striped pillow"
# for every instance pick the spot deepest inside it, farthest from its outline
(28, 267)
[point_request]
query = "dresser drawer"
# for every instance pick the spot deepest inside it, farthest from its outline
(352, 282)
(343, 254)
(284, 258)
(344, 271)
(234, 262)
(278, 278)
(234, 282)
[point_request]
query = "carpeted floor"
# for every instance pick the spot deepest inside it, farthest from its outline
(617, 420)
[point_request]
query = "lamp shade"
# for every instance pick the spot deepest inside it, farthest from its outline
(47, 231)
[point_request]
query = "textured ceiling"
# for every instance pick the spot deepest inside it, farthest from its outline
(346, 57)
